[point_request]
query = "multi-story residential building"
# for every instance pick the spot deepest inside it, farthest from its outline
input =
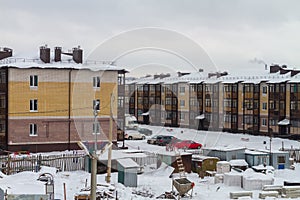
(230, 106)
(265, 104)
(48, 104)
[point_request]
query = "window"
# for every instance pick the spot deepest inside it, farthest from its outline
(271, 88)
(264, 106)
(282, 88)
(271, 106)
(264, 121)
(2, 126)
(2, 77)
(227, 118)
(96, 82)
(174, 88)
(233, 118)
(234, 88)
(33, 81)
(2, 101)
(182, 90)
(182, 103)
(272, 122)
(33, 105)
(293, 105)
(96, 128)
(152, 88)
(234, 103)
(120, 102)
(169, 115)
(207, 102)
(162, 115)
(264, 89)
(168, 101)
(33, 129)
(182, 116)
(96, 104)
(281, 159)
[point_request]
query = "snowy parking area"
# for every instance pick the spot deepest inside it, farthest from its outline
(153, 183)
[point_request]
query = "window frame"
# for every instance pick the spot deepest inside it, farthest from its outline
(96, 82)
(33, 81)
(33, 105)
(33, 129)
(94, 103)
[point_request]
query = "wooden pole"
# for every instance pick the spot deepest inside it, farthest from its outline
(108, 177)
(65, 193)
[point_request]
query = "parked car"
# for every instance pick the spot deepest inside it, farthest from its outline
(166, 139)
(21, 154)
(134, 135)
(187, 144)
(144, 131)
(154, 139)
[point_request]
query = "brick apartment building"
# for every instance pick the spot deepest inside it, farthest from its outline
(266, 104)
(47, 104)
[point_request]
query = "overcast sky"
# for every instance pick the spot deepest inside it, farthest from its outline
(235, 34)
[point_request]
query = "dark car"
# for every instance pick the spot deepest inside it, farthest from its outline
(144, 131)
(166, 139)
(154, 139)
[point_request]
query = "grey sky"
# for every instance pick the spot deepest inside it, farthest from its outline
(232, 32)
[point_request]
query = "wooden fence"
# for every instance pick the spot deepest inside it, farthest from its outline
(64, 162)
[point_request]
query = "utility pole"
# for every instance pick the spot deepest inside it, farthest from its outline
(94, 156)
(108, 176)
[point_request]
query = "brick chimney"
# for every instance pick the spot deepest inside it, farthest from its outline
(45, 54)
(5, 53)
(274, 68)
(57, 54)
(77, 54)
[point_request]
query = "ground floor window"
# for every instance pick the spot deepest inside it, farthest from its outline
(33, 129)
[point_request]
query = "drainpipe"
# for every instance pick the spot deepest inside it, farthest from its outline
(69, 111)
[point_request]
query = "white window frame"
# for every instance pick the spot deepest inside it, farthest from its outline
(182, 90)
(33, 81)
(96, 82)
(264, 106)
(264, 90)
(94, 103)
(264, 122)
(182, 103)
(182, 116)
(33, 105)
(33, 129)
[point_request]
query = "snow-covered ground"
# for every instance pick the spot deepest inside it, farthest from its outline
(156, 182)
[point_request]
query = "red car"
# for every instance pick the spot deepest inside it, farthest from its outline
(187, 144)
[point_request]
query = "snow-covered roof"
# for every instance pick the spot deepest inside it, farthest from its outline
(252, 152)
(238, 162)
(128, 163)
(224, 148)
(284, 122)
(201, 157)
(23, 63)
(118, 154)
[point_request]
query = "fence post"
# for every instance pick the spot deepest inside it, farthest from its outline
(8, 165)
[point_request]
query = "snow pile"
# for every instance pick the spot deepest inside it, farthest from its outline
(255, 181)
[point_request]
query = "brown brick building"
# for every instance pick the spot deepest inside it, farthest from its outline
(47, 104)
